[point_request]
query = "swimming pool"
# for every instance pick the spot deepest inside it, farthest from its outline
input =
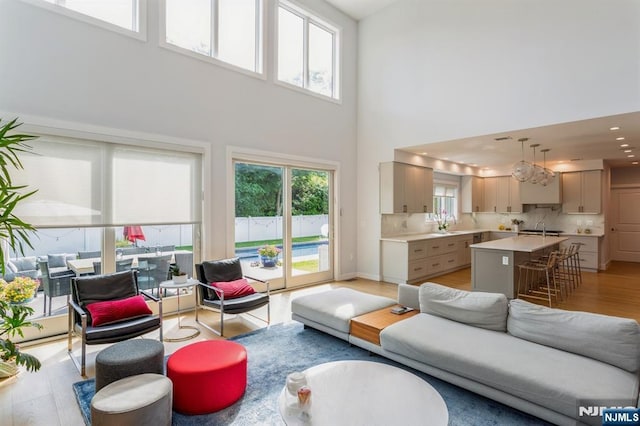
(299, 249)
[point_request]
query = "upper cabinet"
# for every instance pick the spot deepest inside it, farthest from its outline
(472, 194)
(502, 195)
(405, 188)
(582, 192)
(533, 193)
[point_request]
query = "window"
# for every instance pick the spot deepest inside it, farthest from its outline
(111, 14)
(307, 51)
(445, 201)
(227, 30)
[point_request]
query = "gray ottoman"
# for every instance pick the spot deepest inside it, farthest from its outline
(128, 358)
(145, 399)
(331, 311)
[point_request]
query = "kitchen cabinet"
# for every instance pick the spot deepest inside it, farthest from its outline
(582, 192)
(405, 188)
(502, 195)
(533, 193)
(415, 261)
(472, 194)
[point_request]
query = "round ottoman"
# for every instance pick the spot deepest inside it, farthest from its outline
(207, 376)
(128, 358)
(144, 399)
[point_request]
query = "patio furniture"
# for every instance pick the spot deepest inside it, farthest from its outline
(113, 290)
(121, 265)
(152, 271)
(89, 254)
(214, 297)
(22, 267)
(54, 284)
(184, 262)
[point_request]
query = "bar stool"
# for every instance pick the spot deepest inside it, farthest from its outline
(575, 261)
(536, 278)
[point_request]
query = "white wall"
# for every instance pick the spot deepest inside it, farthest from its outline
(54, 67)
(435, 70)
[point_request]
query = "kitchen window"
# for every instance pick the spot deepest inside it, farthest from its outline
(445, 200)
(308, 51)
(226, 32)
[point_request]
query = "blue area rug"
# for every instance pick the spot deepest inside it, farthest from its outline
(281, 349)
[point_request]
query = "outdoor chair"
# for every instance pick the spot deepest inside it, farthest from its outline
(54, 284)
(215, 297)
(121, 265)
(113, 297)
(153, 270)
(89, 254)
(185, 262)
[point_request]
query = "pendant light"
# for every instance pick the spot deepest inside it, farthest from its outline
(549, 174)
(538, 171)
(522, 170)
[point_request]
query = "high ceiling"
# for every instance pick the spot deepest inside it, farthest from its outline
(579, 140)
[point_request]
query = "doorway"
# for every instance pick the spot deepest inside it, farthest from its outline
(283, 223)
(625, 224)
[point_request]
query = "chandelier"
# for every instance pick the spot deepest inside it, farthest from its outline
(524, 171)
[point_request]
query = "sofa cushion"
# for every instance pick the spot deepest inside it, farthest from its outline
(113, 311)
(28, 263)
(479, 309)
(335, 308)
(234, 289)
(613, 340)
(542, 375)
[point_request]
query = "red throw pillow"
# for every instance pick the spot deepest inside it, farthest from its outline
(113, 311)
(234, 289)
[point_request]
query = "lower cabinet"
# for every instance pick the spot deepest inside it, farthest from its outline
(415, 261)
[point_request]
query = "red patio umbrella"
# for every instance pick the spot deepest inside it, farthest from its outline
(133, 233)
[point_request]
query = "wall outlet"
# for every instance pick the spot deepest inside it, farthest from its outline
(505, 260)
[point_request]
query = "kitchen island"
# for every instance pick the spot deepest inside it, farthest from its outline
(494, 263)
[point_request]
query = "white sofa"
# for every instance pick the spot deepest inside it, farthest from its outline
(543, 361)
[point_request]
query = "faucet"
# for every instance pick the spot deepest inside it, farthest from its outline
(544, 230)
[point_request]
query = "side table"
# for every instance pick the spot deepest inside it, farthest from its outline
(369, 326)
(167, 285)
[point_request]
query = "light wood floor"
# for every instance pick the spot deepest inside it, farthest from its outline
(46, 397)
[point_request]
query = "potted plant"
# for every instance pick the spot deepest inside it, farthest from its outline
(269, 255)
(178, 276)
(15, 233)
(19, 291)
(516, 224)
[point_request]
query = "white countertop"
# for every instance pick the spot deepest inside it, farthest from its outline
(524, 243)
(428, 236)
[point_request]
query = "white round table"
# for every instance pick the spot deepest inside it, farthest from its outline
(166, 285)
(365, 393)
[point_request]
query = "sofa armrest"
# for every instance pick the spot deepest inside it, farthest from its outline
(408, 296)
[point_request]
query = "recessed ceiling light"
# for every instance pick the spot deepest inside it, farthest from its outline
(423, 153)
(627, 150)
(621, 138)
(630, 155)
(614, 128)
(624, 145)
(634, 162)
(474, 165)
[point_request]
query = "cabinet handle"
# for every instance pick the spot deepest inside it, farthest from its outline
(404, 208)
(451, 244)
(417, 269)
(450, 261)
(433, 265)
(417, 250)
(435, 247)
(424, 209)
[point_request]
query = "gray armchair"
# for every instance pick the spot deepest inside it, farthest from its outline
(54, 284)
(210, 297)
(99, 288)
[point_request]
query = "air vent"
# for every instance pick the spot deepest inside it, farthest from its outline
(504, 138)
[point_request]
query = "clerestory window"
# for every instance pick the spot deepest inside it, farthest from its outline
(229, 31)
(308, 51)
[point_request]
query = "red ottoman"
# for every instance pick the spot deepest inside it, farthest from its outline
(207, 376)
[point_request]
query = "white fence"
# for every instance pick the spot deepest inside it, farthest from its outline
(270, 228)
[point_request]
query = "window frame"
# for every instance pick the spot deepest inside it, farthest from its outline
(451, 215)
(259, 60)
(309, 18)
(140, 33)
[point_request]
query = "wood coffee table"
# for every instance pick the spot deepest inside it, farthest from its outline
(368, 326)
(365, 393)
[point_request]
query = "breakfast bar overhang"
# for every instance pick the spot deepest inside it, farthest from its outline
(494, 263)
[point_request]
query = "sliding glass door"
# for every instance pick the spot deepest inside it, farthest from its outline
(283, 223)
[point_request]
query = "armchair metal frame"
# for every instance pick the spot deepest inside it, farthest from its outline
(79, 319)
(236, 306)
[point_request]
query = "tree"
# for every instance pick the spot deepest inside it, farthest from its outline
(310, 192)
